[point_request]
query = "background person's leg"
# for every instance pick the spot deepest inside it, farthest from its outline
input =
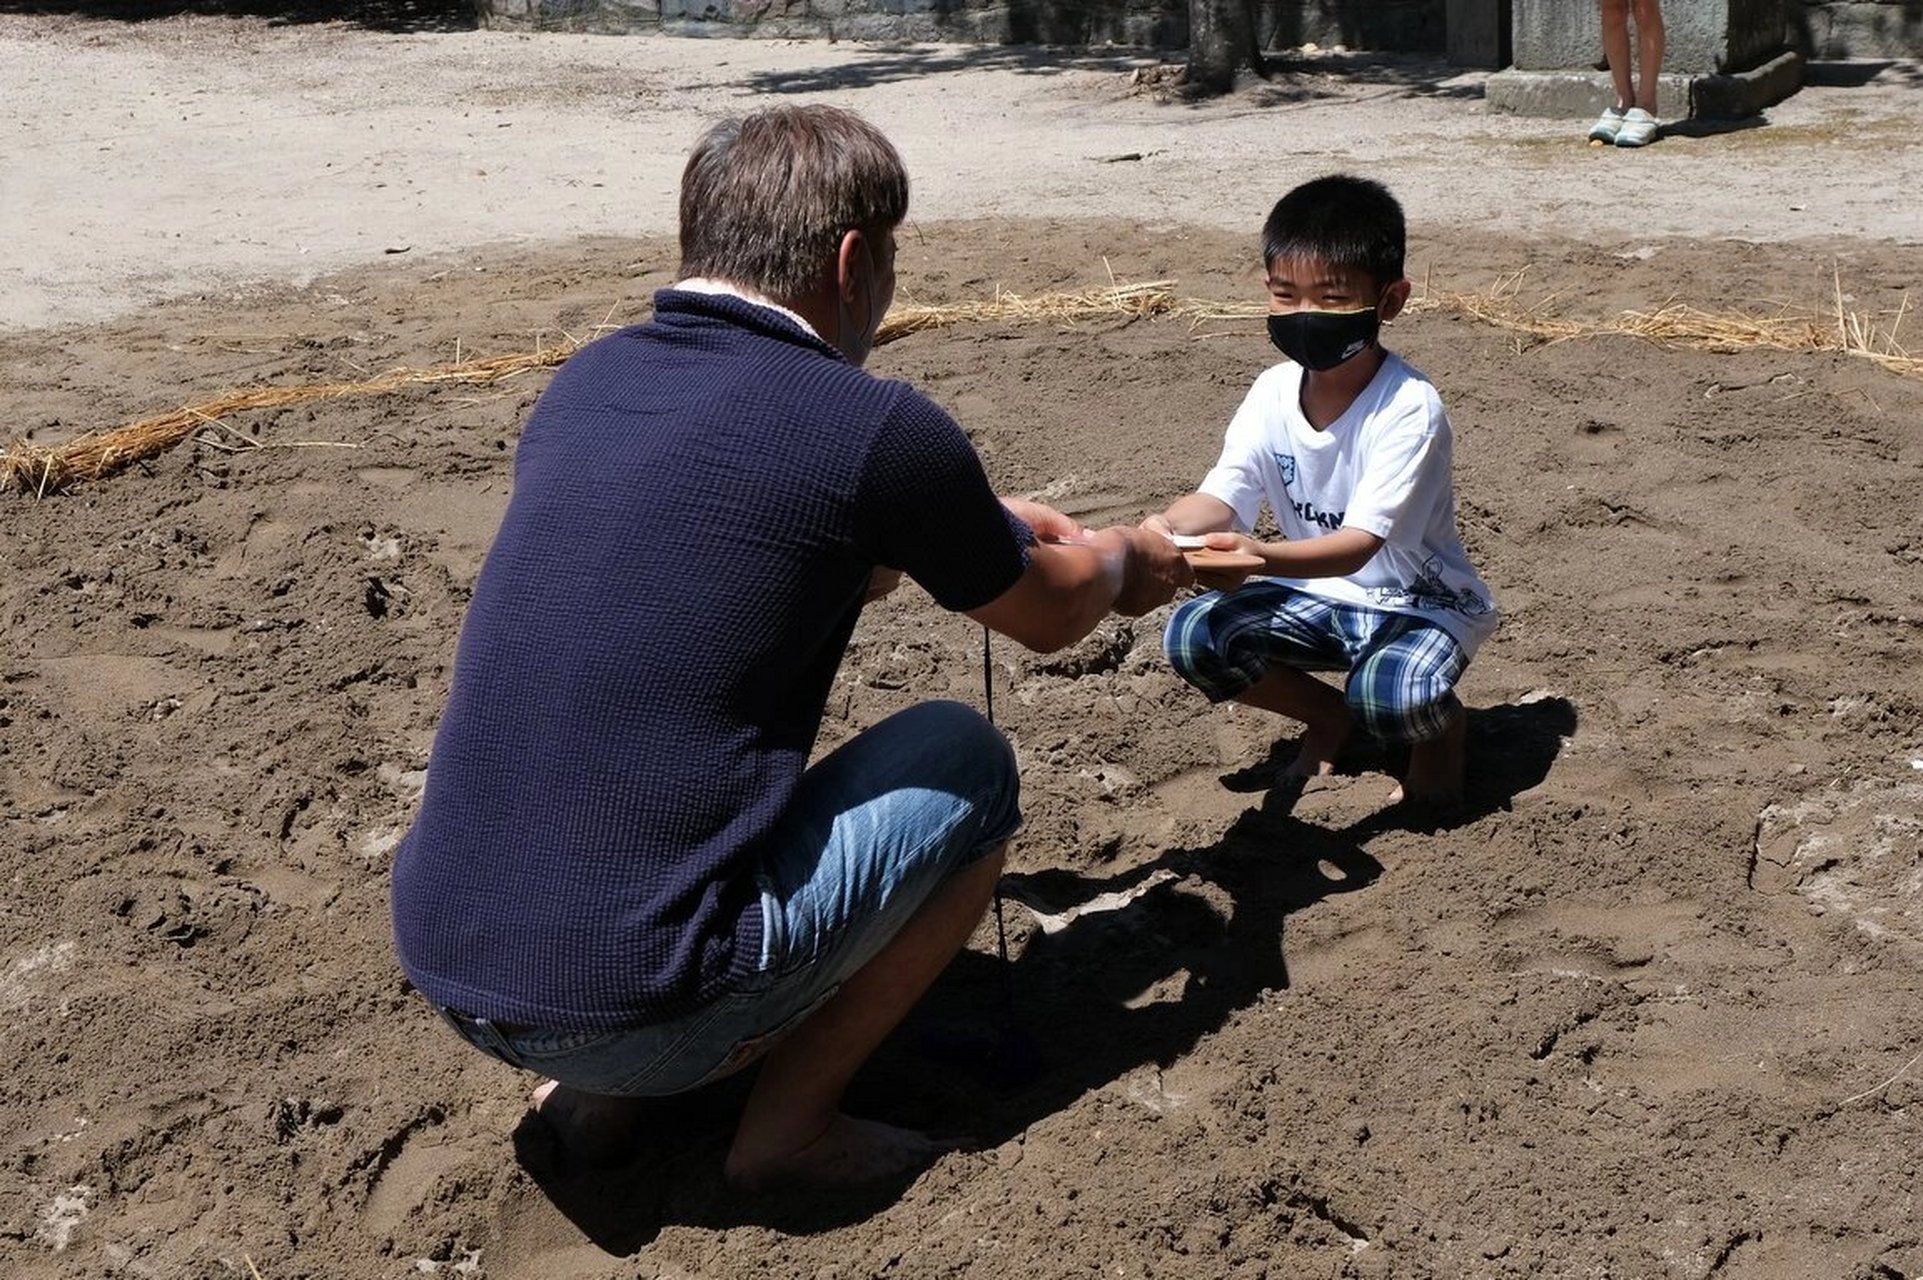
(1639, 124)
(1615, 34)
(1649, 53)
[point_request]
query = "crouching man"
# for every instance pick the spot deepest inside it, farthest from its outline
(624, 875)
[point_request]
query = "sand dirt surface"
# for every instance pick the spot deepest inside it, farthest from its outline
(1652, 1007)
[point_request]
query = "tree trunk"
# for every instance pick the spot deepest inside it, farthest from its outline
(1221, 42)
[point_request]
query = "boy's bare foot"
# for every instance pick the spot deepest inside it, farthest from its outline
(597, 1130)
(1316, 754)
(848, 1153)
(1434, 778)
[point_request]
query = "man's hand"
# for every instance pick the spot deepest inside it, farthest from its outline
(1049, 524)
(1152, 569)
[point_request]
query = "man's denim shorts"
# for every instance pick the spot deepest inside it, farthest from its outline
(875, 829)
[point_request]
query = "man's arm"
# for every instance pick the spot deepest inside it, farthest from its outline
(1069, 587)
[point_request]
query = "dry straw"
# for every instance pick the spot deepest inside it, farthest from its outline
(40, 471)
(1682, 325)
(26, 469)
(1117, 302)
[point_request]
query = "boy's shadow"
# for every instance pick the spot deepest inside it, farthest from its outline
(1509, 748)
(1125, 971)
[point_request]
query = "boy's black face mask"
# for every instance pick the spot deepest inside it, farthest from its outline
(1321, 340)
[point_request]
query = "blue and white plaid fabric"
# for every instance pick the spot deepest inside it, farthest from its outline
(1402, 669)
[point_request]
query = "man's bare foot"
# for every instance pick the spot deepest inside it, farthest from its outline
(594, 1129)
(848, 1153)
(1434, 777)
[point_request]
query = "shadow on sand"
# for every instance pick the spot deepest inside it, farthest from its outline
(1197, 938)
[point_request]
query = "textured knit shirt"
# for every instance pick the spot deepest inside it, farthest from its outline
(698, 504)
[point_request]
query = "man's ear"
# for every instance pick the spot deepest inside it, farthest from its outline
(1394, 298)
(853, 251)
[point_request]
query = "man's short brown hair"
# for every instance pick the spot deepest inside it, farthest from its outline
(765, 199)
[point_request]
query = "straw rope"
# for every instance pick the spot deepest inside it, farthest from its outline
(98, 455)
(39, 471)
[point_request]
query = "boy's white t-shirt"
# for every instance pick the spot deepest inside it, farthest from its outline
(1383, 467)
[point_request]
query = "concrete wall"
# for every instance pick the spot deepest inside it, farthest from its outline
(1864, 29)
(1700, 35)
(1412, 25)
(1820, 28)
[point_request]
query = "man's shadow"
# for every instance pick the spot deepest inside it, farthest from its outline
(1124, 971)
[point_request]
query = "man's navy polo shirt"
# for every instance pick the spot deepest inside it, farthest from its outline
(698, 503)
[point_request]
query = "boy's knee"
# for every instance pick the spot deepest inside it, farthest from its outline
(1189, 644)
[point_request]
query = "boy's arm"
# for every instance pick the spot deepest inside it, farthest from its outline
(1333, 555)
(1196, 513)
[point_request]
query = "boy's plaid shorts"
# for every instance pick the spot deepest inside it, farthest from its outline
(1402, 669)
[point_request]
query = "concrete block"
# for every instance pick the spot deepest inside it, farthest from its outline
(1581, 95)
(791, 28)
(568, 15)
(992, 24)
(1745, 93)
(1575, 95)
(868, 26)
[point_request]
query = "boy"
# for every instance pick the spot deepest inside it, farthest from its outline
(1350, 448)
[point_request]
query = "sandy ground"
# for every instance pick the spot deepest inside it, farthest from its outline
(1652, 1007)
(145, 161)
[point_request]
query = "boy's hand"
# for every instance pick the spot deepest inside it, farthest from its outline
(1229, 579)
(1231, 541)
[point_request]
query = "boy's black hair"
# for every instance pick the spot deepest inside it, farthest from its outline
(1342, 220)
